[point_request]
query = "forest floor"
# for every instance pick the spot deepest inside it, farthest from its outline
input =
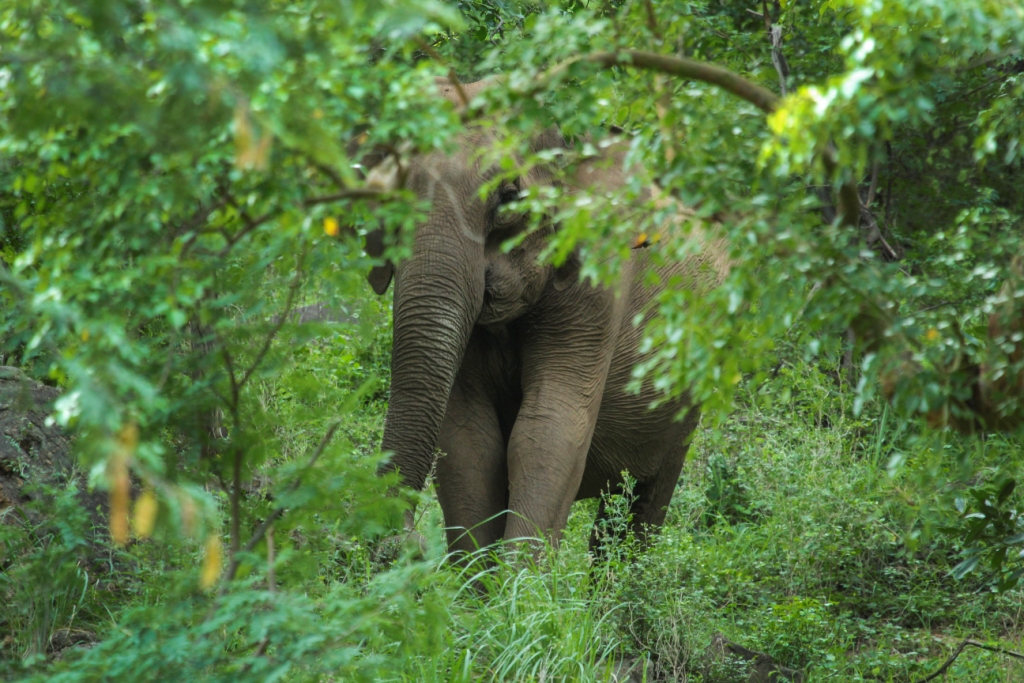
(788, 534)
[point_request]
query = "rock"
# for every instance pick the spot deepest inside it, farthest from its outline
(631, 670)
(63, 639)
(32, 452)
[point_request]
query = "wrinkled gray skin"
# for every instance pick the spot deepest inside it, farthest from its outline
(516, 371)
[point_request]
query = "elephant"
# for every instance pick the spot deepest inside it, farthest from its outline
(516, 370)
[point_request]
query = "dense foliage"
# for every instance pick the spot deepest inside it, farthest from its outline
(177, 178)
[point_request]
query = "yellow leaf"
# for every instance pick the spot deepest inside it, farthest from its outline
(211, 562)
(145, 514)
(331, 227)
(120, 484)
(317, 114)
(117, 472)
(85, 335)
(128, 439)
(188, 512)
(932, 334)
(251, 150)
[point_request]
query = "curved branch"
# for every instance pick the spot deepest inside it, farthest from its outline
(682, 67)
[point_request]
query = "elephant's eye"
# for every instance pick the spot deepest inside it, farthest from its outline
(508, 192)
(505, 220)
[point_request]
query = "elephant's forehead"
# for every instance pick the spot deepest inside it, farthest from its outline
(459, 171)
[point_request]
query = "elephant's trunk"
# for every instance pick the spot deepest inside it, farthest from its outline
(438, 296)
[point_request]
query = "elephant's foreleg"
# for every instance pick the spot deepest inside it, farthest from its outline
(547, 456)
(472, 478)
(565, 356)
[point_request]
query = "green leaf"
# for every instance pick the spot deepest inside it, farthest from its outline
(965, 567)
(1005, 490)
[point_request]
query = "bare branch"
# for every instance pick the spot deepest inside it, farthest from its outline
(453, 78)
(775, 38)
(350, 193)
(985, 60)
(874, 234)
(329, 172)
(760, 97)
(250, 225)
(957, 652)
(873, 185)
(652, 21)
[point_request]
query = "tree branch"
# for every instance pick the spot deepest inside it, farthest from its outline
(873, 185)
(262, 530)
(775, 38)
(329, 172)
(453, 77)
(682, 67)
(652, 21)
(250, 225)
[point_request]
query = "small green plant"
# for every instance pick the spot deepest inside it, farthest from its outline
(991, 528)
(613, 537)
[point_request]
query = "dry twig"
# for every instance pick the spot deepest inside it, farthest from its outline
(775, 37)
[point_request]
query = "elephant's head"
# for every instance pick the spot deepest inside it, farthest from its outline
(458, 276)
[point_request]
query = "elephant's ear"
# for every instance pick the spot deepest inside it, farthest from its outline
(567, 274)
(379, 276)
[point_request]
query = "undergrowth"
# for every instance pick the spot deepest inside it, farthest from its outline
(798, 530)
